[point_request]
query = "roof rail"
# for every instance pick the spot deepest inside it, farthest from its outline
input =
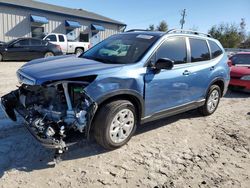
(187, 32)
(136, 30)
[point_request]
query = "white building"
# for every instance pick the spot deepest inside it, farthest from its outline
(27, 18)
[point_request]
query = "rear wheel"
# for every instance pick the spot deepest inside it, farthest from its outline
(115, 124)
(212, 101)
(1, 57)
(79, 51)
(48, 54)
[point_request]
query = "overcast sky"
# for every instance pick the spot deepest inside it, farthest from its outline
(140, 13)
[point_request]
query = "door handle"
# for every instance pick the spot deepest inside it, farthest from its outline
(212, 68)
(186, 73)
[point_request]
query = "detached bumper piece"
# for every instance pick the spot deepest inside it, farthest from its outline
(8, 103)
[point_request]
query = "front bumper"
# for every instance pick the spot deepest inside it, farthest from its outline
(244, 84)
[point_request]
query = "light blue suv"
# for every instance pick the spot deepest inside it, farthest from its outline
(128, 79)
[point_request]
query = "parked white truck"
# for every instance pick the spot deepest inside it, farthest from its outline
(67, 47)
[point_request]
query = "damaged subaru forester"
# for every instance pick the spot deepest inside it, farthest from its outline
(126, 80)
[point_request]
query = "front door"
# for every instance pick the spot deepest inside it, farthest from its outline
(18, 51)
(165, 89)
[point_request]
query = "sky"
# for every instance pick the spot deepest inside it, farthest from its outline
(139, 14)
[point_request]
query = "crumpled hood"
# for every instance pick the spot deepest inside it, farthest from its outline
(64, 67)
(239, 71)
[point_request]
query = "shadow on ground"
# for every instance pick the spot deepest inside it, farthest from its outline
(20, 151)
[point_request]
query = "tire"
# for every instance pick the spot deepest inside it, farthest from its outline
(48, 54)
(1, 57)
(109, 132)
(212, 101)
(79, 51)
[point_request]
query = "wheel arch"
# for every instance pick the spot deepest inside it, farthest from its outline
(79, 47)
(220, 82)
(135, 98)
(131, 96)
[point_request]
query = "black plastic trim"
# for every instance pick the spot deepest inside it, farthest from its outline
(173, 111)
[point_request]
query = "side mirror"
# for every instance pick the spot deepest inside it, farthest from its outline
(230, 63)
(164, 63)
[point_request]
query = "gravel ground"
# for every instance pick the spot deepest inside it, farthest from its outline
(186, 150)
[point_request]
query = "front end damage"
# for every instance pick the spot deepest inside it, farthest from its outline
(52, 112)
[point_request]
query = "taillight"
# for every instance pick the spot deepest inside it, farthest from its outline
(58, 47)
(230, 63)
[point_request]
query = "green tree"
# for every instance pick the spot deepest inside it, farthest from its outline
(163, 26)
(246, 43)
(228, 34)
(151, 27)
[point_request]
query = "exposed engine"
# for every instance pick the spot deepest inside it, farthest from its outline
(52, 111)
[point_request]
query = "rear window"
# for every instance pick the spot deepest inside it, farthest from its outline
(199, 50)
(241, 59)
(215, 49)
(61, 38)
(34, 42)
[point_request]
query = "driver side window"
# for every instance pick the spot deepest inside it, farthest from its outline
(174, 49)
(21, 43)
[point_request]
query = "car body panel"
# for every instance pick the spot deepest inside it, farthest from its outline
(64, 67)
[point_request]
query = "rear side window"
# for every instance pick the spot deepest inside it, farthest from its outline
(174, 49)
(51, 38)
(199, 50)
(61, 38)
(34, 42)
(215, 49)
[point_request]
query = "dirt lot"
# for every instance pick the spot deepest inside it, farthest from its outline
(186, 150)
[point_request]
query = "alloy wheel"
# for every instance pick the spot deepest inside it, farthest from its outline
(122, 126)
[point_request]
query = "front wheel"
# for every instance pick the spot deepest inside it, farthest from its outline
(212, 101)
(115, 124)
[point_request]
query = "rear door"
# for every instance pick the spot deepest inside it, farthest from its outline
(200, 68)
(37, 49)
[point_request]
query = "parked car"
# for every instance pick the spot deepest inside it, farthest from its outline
(28, 49)
(240, 71)
(156, 75)
(68, 47)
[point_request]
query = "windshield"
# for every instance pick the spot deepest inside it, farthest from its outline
(11, 41)
(121, 49)
(241, 59)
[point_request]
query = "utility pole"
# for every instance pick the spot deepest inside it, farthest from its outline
(182, 21)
